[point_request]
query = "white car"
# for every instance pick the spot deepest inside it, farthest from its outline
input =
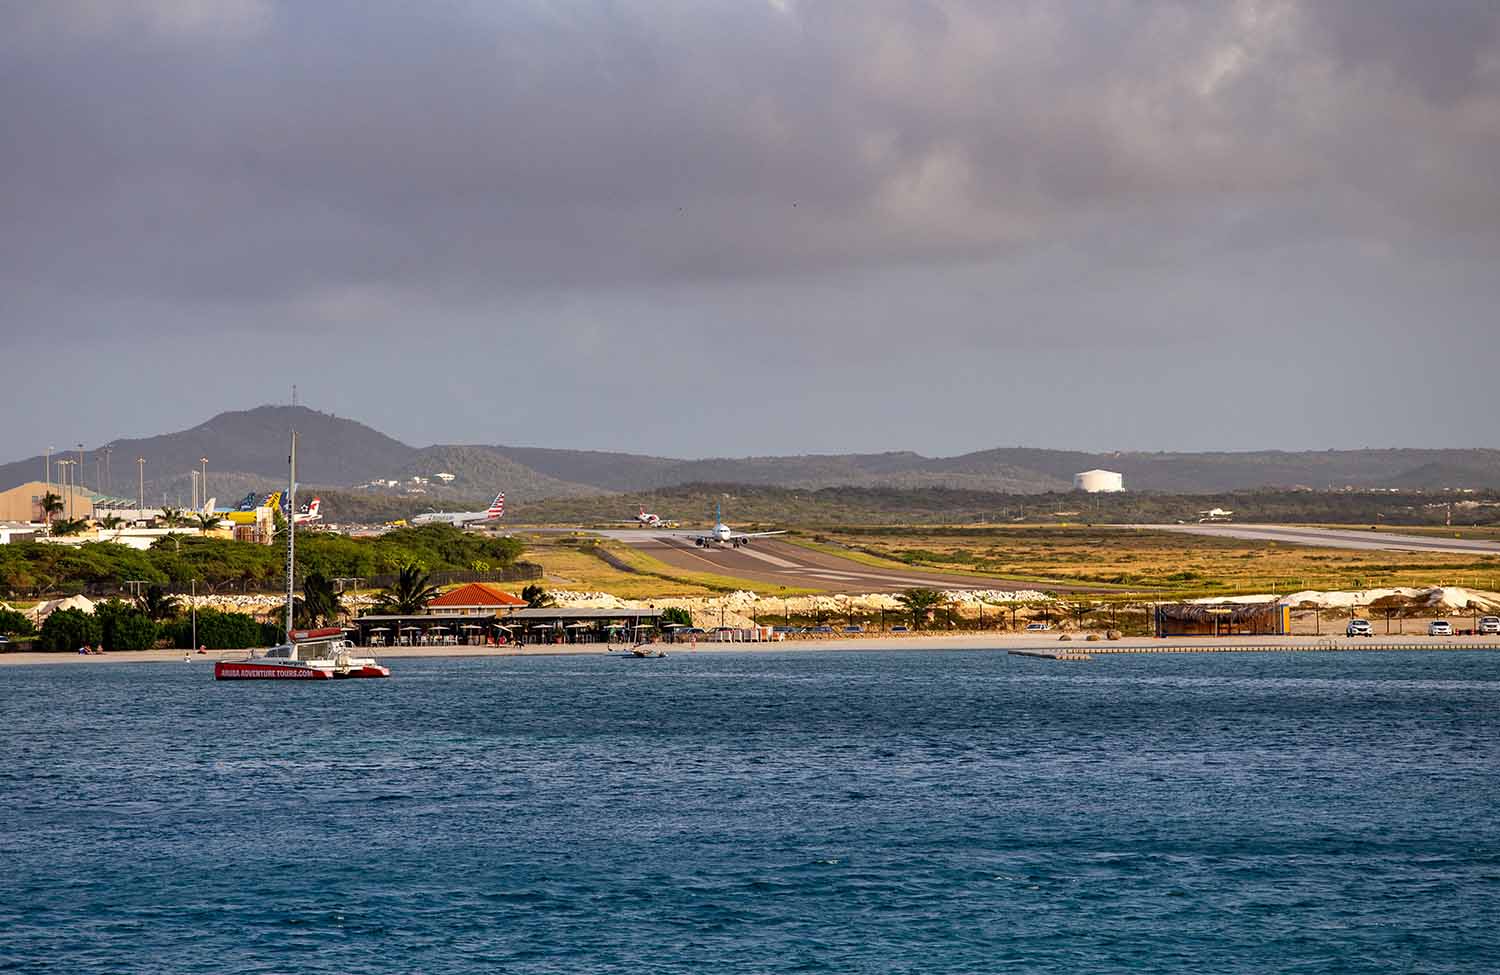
(1038, 627)
(1439, 628)
(1489, 625)
(1359, 628)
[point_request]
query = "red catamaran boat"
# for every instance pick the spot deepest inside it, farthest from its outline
(307, 654)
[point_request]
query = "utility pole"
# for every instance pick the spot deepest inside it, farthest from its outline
(108, 483)
(341, 580)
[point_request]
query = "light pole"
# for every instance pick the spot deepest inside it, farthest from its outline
(62, 478)
(140, 473)
(108, 484)
(203, 481)
(341, 580)
(49, 468)
(193, 489)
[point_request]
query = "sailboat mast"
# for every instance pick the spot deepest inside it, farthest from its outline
(290, 508)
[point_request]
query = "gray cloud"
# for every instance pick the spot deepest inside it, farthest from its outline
(568, 181)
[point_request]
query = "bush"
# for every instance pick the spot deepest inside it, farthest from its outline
(15, 623)
(69, 629)
(124, 627)
(676, 614)
(217, 631)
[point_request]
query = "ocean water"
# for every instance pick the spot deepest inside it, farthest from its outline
(840, 812)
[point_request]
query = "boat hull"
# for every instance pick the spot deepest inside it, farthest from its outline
(268, 670)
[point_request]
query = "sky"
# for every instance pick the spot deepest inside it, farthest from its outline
(732, 227)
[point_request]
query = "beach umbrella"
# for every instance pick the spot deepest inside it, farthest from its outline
(467, 626)
(502, 626)
(379, 629)
(437, 628)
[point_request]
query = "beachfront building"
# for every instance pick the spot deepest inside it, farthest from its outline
(1224, 619)
(475, 599)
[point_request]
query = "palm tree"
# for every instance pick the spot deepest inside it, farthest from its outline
(155, 603)
(319, 603)
(208, 523)
(69, 526)
(920, 602)
(536, 597)
(111, 522)
(411, 593)
(51, 504)
(171, 517)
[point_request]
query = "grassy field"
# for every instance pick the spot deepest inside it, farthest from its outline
(1158, 562)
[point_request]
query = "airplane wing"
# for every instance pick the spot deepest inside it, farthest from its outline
(755, 534)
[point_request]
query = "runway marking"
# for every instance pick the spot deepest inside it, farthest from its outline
(772, 559)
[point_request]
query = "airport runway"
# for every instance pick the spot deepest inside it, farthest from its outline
(777, 563)
(1338, 538)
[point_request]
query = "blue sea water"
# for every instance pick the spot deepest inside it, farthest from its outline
(841, 812)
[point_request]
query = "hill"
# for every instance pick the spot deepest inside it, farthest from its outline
(246, 451)
(245, 446)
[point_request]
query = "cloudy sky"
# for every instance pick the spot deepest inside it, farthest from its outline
(756, 226)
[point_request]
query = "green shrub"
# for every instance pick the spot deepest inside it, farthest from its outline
(69, 629)
(217, 631)
(15, 623)
(123, 627)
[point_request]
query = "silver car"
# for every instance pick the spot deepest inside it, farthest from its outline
(1359, 628)
(1439, 628)
(1489, 625)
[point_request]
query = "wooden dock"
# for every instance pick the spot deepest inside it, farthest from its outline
(1052, 654)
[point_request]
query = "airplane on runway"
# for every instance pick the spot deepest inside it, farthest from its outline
(722, 534)
(459, 519)
(647, 518)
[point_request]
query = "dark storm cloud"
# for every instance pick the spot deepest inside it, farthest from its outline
(249, 166)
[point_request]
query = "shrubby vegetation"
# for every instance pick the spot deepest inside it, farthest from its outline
(223, 631)
(748, 506)
(124, 627)
(15, 623)
(69, 629)
(36, 569)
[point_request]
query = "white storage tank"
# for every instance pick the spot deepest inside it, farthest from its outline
(1095, 482)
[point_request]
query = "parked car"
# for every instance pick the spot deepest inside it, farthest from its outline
(1489, 625)
(1359, 627)
(1038, 627)
(1439, 628)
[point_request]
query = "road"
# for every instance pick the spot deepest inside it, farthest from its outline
(1338, 538)
(777, 563)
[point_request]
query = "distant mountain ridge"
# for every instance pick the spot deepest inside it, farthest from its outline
(247, 449)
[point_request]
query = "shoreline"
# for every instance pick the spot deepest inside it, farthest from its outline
(986, 642)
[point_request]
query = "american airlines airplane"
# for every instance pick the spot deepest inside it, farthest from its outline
(722, 534)
(495, 511)
(309, 514)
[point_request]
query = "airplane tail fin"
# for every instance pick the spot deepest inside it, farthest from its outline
(497, 507)
(208, 506)
(312, 509)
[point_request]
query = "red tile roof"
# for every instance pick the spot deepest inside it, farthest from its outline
(477, 594)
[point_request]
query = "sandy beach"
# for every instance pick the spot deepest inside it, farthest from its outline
(996, 642)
